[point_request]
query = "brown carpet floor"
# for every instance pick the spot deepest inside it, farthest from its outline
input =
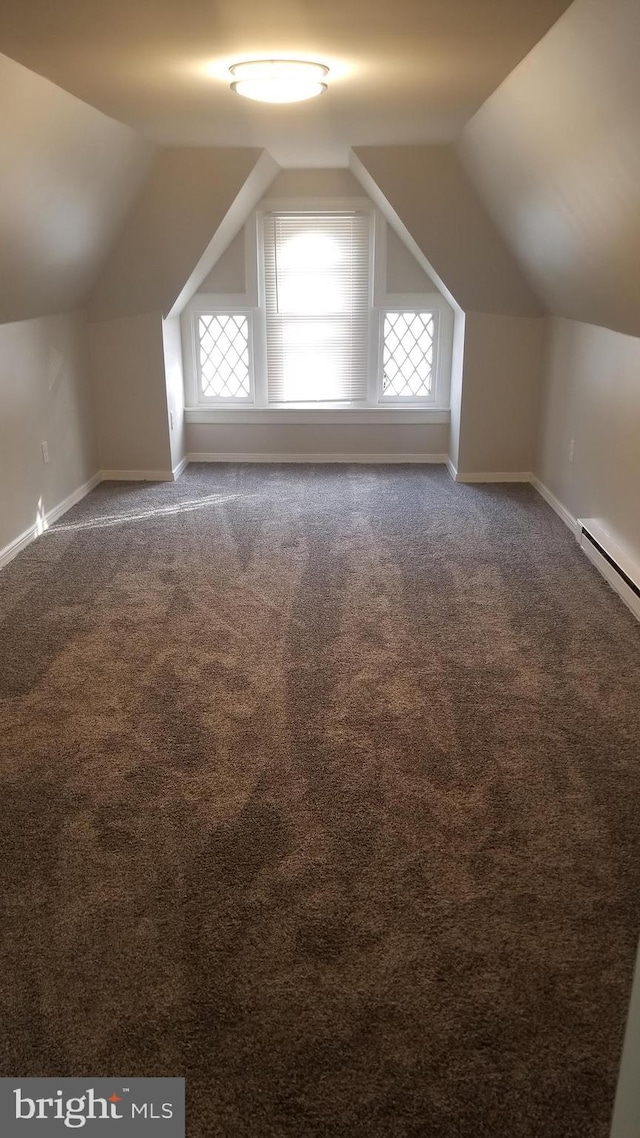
(320, 788)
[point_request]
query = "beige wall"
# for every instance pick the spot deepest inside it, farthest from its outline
(502, 374)
(69, 174)
(228, 275)
(426, 187)
(336, 182)
(130, 394)
(404, 274)
(555, 152)
(44, 397)
(287, 439)
(592, 397)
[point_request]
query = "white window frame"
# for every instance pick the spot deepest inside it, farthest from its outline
(310, 206)
(257, 409)
(214, 305)
(436, 306)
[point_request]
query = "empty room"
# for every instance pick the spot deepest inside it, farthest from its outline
(320, 568)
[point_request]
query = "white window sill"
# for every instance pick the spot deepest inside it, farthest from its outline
(319, 415)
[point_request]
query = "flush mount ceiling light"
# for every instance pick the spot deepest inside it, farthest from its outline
(279, 80)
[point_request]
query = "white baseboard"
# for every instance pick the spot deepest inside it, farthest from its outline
(17, 545)
(206, 456)
(182, 465)
(52, 515)
(493, 476)
(137, 475)
(556, 505)
(488, 476)
(24, 539)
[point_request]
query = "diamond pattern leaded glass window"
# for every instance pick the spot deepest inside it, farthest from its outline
(407, 355)
(224, 356)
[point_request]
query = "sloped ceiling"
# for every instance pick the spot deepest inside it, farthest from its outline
(427, 189)
(555, 152)
(190, 208)
(411, 71)
(548, 168)
(69, 175)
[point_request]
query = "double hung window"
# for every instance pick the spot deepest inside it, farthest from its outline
(317, 304)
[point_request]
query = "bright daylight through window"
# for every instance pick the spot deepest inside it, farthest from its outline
(317, 285)
(313, 338)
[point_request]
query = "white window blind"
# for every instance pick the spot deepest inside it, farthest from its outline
(317, 306)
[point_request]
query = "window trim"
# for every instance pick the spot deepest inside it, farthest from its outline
(215, 304)
(224, 400)
(333, 416)
(436, 305)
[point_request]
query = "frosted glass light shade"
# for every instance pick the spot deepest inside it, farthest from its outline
(279, 80)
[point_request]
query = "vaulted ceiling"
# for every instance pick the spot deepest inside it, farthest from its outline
(553, 152)
(411, 71)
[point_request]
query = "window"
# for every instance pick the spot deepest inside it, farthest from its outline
(315, 332)
(223, 356)
(408, 355)
(317, 303)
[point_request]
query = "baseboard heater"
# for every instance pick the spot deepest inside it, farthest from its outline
(615, 566)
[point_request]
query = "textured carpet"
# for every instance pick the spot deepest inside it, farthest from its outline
(320, 788)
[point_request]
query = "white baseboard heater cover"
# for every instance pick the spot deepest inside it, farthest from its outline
(616, 567)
